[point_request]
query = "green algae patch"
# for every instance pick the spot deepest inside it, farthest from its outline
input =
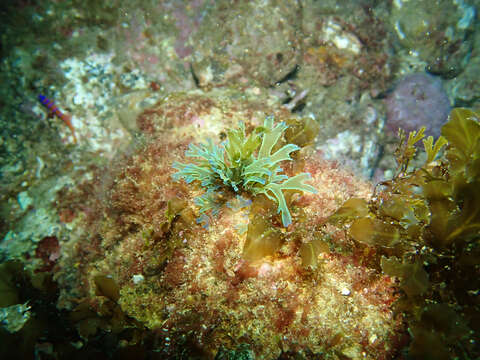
(414, 277)
(263, 239)
(351, 209)
(301, 132)
(374, 232)
(106, 286)
(309, 252)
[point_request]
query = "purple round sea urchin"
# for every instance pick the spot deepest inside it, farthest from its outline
(417, 100)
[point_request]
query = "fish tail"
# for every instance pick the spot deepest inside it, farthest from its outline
(67, 119)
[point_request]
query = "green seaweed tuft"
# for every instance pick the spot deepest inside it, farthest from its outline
(240, 165)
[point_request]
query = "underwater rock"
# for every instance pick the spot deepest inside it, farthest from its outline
(417, 100)
(13, 318)
(464, 89)
(437, 32)
(255, 41)
(347, 40)
(199, 284)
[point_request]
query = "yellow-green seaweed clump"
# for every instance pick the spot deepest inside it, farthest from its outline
(424, 225)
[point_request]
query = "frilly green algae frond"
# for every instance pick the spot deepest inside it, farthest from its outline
(239, 165)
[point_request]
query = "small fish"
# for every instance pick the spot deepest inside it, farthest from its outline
(67, 119)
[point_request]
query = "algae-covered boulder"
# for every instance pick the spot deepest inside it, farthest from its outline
(234, 274)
